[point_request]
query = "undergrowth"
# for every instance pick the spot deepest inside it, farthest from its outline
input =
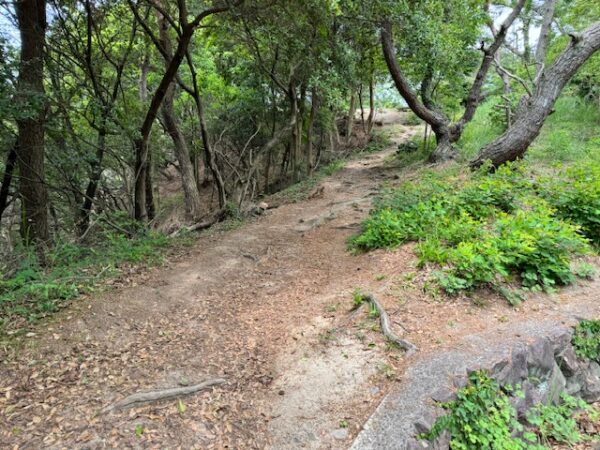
(514, 226)
(483, 418)
(586, 339)
(32, 291)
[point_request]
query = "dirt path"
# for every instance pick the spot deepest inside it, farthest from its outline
(255, 305)
(265, 306)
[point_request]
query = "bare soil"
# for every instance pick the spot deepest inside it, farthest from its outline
(265, 306)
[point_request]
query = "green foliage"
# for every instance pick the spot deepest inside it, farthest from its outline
(480, 418)
(484, 229)
(585, 270)
(357, 298)
(558, 422)
(33, 291)
(379, 141)
(575, 194)
(333, 167)
(538, 246)
(412, 119)
(586, 339)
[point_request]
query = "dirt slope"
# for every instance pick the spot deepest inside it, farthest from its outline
(253, 305)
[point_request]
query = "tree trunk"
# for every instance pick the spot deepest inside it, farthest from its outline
(542, 43)
(141, 143)
(95, 175)
(31, 16)
(193, 203)
(208, 150)
(9, 168)
(515, 141)
(371, 117)
(445, 138)
(350, 122)
(446, 133)
(150, 204)
(309, 132)
(293, 161)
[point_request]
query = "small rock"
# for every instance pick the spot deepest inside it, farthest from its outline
(425, 423)
(374, 390)
(443, 395)
(340, 434)
(540, 358)
(590, 383)
(573, 387)
(460, 381)
(442, 442)
(281, 392)
(561, 339)
(556, 385)
(568, 362)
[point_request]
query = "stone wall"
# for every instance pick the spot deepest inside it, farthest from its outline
(544, 368)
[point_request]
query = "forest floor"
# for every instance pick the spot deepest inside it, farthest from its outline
(266, 306)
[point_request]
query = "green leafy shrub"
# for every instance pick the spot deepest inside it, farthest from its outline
(379, 141)
(575, 194)
(473, 264)
(480, 418)
(487, 229)
(586, 339)
(558, 422)
(483, 418)
(538, 246)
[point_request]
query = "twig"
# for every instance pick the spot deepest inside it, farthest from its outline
(386, 326)
(513, 76)
(153, 396)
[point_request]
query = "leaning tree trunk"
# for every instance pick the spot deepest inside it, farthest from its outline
(193, 203)
(515, 141)
(446, 132)
(314, 102)
(141, 143)
(31, 15)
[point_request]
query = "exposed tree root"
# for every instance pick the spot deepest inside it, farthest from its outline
(386, 328)
(153, 396)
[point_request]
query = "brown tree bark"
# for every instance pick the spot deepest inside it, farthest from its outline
(371, 117)
(515, 141)
(94, 182)
(31, 16)
(314, 106)
(193, 203)
(351, 112)
(9, 168)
